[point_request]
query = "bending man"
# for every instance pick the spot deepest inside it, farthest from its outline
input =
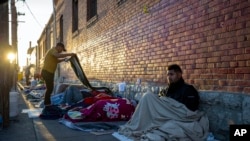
(52, 58)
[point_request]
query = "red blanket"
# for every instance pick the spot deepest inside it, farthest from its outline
(104, 108)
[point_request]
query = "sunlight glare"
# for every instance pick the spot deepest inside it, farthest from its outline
(11, 57)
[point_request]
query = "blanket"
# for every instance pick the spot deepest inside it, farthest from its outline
(77, 68)
(91, 126)
(104, 109)
(162, 118)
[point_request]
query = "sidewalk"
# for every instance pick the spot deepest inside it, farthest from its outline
(23, 128)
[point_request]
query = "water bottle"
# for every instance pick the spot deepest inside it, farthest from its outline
(210, 137)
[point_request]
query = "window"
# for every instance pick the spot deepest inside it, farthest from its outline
(91, 9)
(61, 29)
(74, 15)
(51, 38)
(120, 2)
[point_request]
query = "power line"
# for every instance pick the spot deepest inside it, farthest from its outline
(32, 14)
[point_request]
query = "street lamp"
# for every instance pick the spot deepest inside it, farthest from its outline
(11, 57)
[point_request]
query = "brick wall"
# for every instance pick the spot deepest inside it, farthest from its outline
(210, 40)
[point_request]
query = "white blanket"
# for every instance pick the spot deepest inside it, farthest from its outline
(162, 118)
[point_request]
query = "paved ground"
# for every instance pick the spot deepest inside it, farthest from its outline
(23, 128)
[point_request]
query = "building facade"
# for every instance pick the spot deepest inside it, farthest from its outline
(134, 39)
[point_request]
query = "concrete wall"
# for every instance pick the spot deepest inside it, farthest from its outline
(224, 109)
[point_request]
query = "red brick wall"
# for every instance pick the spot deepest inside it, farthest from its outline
(210, 40)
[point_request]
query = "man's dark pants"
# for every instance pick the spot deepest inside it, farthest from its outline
(49, 82)
(27, 77)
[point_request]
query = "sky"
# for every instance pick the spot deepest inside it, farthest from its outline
(31, 25)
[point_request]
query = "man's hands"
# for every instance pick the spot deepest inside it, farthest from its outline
(66, 59)
(72, 54)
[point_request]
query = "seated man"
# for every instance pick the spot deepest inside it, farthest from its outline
(172, 116)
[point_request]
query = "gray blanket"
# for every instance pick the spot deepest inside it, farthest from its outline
(162, 118)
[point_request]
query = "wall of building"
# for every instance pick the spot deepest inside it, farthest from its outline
(44, 43)
(139, 39)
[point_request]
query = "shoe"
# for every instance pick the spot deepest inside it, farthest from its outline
(51, 112)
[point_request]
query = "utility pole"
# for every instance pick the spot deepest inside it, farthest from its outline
(5, 83)
(14, 41)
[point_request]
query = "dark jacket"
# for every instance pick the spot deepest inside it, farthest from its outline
(184, 93)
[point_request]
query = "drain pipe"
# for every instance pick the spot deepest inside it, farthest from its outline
(57, 75)
(54, 23)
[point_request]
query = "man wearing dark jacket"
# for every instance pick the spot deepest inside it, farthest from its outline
(173, 115)
(179, 90)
